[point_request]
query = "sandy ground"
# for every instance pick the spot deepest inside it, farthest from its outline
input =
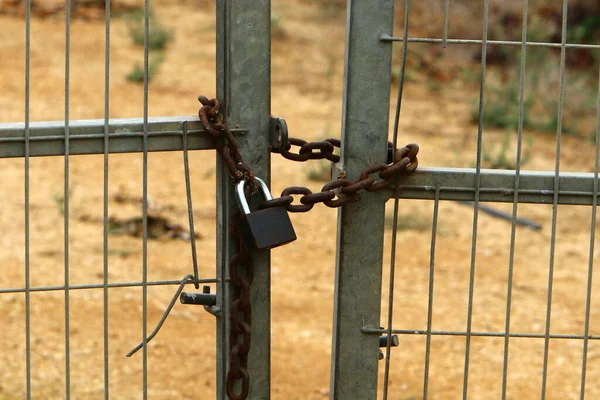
(307, 66)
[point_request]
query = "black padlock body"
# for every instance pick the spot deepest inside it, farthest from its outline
(266, 229)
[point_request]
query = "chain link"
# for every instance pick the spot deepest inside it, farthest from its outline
(241, 311)
(334, 194)
(374, 178)
(306, 152)
(212, 121)
(241, 315)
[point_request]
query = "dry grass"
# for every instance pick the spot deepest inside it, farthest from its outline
(307, 66)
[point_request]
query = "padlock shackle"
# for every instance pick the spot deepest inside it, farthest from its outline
(241, 195)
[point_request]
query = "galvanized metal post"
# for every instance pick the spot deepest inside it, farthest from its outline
(361, 225)
(243, 85)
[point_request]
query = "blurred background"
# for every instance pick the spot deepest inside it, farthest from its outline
(439, 111)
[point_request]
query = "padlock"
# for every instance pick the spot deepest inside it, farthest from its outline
(263, 229)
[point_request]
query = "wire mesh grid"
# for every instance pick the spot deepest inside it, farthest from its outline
(491, 368)
(131, 299)
(30, 139)
(434, 184)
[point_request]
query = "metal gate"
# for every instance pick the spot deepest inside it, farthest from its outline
(244, 88)
(358, 274)
(243, 85)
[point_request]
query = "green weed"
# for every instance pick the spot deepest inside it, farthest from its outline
(408, 222)
(500, 154)
(59, 200)
(137, 74)
(541, 98)
(278, 31)
(158, 36)
(415, 218)
(501, 108)
(321, 172)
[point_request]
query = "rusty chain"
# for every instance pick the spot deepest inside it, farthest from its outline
(212, 121)
(334, 194)
(325, 150)
(401, 161)
(241, 311)
(241, 315)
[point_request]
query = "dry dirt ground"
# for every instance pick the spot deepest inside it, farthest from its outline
(307, 68)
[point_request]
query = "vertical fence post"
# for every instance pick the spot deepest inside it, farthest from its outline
(244, 87)
(365, 118)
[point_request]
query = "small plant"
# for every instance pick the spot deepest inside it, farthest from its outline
(416, 62)
(121, 253)
(320, 173)
(433, 85)
(540, 108)
(209, 173)
(158, 36)
(137, 74)
(59, 200)
(497, 156)
(408, 222)
(501, 108)
(277, 29)
(587, 31)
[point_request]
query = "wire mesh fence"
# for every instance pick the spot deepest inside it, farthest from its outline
(521, 310)
(468, 330)
(80, 354)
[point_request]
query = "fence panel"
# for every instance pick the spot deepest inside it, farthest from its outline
(243, 41)
(243, 86)
(476, 185)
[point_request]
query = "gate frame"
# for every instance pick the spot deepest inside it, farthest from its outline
(244, 85)
(365, 124)
(244, 88)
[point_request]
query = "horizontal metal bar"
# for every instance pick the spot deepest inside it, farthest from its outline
(387, 38)
(497, 186)
(87, 136)
(480, 334)
(100, 286)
